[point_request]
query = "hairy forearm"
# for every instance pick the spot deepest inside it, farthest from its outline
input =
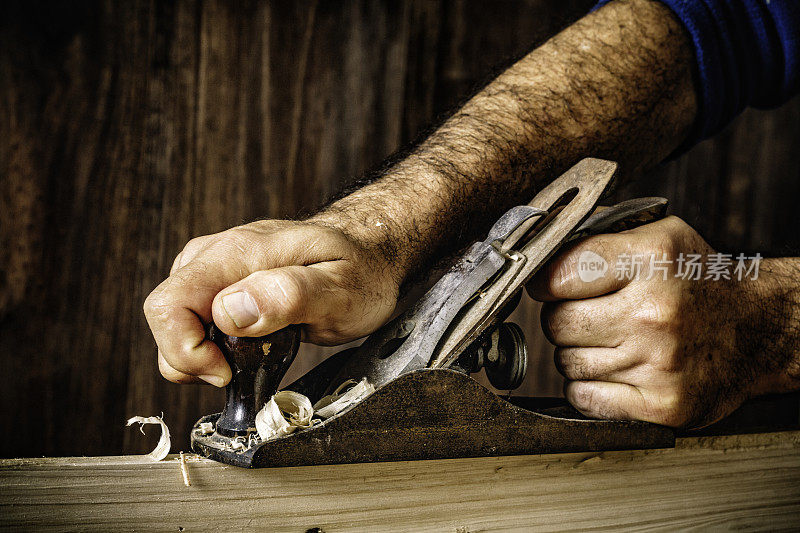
(616, 84)
(772, 338)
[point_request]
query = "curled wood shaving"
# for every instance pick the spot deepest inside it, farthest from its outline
(288, 410)
(283, 414)
(162, 448)
(344, 396)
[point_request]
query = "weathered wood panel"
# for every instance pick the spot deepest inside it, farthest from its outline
(127, 128)
(729, 483)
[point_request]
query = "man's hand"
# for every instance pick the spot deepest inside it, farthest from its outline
(658, 347)
(616, 84)
(260, 277)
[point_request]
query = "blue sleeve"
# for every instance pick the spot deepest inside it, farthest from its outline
(748, 54)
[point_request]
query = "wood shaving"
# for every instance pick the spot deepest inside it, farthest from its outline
(162, 448)
(343, 397)
(283, 414)
(287, 411)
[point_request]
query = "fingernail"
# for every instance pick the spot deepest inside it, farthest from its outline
(241, 307)
(217, 381)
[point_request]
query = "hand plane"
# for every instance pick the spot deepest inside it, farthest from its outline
(425, 405)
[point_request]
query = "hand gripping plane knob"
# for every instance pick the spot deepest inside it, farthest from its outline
(258, 364)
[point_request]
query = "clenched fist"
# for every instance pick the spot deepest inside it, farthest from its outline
(255, 279)
(646, 340)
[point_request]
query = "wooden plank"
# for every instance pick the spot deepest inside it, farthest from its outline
(745, 481)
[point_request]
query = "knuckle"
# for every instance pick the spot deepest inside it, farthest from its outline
(223, 244)
(148, 306)
(578, 317)
(607, 247)
(670, 312)
(567, 320)
(182, 359)
(659, 313)
(183, 278)
(571, 364)
(670, 239)
(666, 245)
(195, 244)
(155, 305)
(665, 361)
(650, 313)
(550, 321)
(239, 237)
(562, 360)
(676, 225)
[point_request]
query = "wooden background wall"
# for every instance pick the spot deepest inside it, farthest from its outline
(126, 128)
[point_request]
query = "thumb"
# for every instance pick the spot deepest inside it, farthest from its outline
(268, 300)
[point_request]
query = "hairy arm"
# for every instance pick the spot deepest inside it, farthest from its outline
(773, 334)
(616, 84)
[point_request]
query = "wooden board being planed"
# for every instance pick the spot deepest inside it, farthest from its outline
(732, 482)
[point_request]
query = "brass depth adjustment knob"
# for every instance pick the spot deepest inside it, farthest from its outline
(258, 365)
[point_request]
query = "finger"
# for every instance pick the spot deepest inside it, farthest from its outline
(173, 375)
(593, 322)
(269, 300)
(612, 401)
(594, 364)
(176, 311)
(585, 269)
(190, 251)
